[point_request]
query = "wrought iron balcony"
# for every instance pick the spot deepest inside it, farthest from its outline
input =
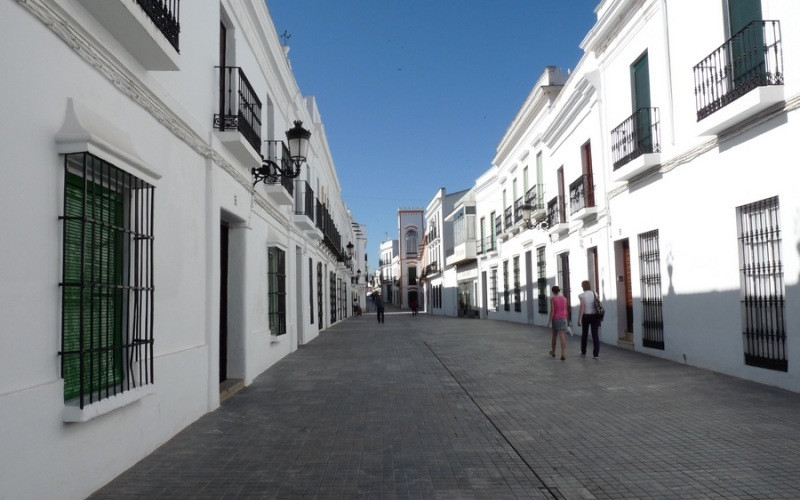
(517, 210)
(750, 59)
(331, 238)
(278, 153)
(581, 197)
(304, 206)
(239, 106)
(488, 244)
(638, 135)
(555, 214)
(164, 14)
(508, 217)
(581, 193)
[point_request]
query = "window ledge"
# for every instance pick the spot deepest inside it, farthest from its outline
(276, 339)
(74, 413)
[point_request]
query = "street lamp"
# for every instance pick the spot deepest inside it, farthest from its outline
(297, 138)
(527, 215)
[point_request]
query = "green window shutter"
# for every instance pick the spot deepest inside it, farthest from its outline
(640, 75)
(747, 47)
(93, 271)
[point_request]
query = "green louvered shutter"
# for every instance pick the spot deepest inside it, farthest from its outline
(93, 267)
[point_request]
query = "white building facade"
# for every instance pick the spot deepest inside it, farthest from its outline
(163, 279)
(410, 228)
(657, 170)
(440, 299)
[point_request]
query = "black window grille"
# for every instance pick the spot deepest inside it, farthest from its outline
(763, 292)
(652, 302)
(541, 279)
(276, 264)
(332, 287)
(311, 289)
(506, 301)
(517, 287)
(107, 280)
(320, 293)
(493, 289)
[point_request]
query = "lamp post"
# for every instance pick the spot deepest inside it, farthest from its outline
(297, 139)
(527, 216)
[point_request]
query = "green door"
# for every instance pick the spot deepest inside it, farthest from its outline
(640, 76)
(747, 42)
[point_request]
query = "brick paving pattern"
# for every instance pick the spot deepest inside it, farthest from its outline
(432, 407)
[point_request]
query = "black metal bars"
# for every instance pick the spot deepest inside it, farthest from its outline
(751, 58)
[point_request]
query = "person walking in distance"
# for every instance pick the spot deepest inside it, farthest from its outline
(414, 306)
(379, 306)
(589, 319)
(558, 321)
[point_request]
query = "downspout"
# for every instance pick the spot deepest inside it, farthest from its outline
(669, 73)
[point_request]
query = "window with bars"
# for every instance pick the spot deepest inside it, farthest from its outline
(320, 293)
(762, 286)
(332, 287)
(541, 281)
(276, 265)
(506, 300)
(311, 289)
(517, 288)
(107, 280)
(493, 289)
(652, 303)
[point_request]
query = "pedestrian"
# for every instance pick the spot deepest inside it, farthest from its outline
(414, 306)
(558, 321)
(589, 319)
(379, 306)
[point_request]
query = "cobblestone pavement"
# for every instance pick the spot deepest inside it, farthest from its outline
(432, 407)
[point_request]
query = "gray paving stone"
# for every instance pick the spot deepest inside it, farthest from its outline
(431, 407)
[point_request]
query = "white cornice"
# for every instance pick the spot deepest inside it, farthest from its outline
(100, 58)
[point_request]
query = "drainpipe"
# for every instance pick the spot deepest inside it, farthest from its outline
(669, 73)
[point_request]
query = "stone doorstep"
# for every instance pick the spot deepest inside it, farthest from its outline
(229, 387)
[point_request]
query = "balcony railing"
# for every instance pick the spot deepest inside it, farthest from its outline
(304, 201)
(331, 238)
(533, 197)
(638, 135)
(278, 153)
(165, 15)
(581, 193)
(517, 208)
(498, 225)
(508, 217)
(554, 215)
(239, 106)
(751, 58)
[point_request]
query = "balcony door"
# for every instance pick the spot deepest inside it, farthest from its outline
(747, 47)
(588, 175)
(640, 84)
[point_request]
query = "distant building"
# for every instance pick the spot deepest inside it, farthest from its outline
(410, 226)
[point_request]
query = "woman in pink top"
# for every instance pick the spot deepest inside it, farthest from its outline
(558, 320)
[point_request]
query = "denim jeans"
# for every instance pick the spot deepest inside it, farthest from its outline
(590, 321)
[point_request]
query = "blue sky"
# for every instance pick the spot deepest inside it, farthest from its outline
(416, 94)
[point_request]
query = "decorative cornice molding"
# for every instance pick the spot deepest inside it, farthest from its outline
(94, 53)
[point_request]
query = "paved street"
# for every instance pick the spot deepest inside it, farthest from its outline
(431, 407)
